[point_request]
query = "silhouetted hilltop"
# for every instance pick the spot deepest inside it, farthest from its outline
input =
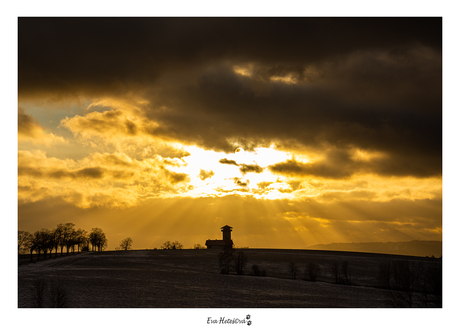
(412, 248)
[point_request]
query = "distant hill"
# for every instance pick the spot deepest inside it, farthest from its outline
(412, 248)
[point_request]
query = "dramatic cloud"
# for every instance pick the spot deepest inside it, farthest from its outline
(318, 129)
(29, 130)
(99, 179)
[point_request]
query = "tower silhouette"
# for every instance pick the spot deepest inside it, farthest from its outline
(226, 240)
(226, 233)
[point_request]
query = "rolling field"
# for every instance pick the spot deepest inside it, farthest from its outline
(191, 279)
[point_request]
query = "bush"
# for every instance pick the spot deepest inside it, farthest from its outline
(257, 272)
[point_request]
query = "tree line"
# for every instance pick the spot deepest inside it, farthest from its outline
(63, 236)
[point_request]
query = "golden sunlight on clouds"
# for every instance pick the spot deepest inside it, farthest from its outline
(138, 165)
(289, 79)
(30, 131)
(278, 131)
(243, 70)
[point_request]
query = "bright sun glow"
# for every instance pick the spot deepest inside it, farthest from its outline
(215, 173)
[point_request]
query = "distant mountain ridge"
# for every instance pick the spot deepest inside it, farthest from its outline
(411, 248)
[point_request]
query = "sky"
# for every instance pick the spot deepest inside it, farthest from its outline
(294, 131)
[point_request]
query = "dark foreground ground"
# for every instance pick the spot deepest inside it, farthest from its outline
(191, 279)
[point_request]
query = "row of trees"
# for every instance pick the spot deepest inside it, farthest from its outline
(63, 236)
(168, 245)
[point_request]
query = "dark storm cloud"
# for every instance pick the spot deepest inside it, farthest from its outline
(338, 164)
(368, 83)
(64, 54)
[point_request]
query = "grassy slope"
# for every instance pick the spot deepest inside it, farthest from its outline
(190, 278)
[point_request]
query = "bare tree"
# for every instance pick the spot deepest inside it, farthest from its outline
(225, 259)
(171, 245)
(293, 270)
(385, 274)
(23, 237)
(312, 271)
(345, 279)
(335, 271)
(126, 244)
(29, 245)
(240, 261)
(403, 274)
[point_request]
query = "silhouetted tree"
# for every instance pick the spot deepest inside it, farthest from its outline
(385, 274)
(56, 236)
(23, 237)
(293, 270)
(47, 241)
(68, 236)
(171, 245)
(80, 238)
(312, 271)
(198, 247)
(29, 245)
(42, 241)
(59, 234)
(403, 275)
(97, 239)
(225, 259)
(240, 260)
(335, 271)
(345, 279)
(126, 244)
(433, 276)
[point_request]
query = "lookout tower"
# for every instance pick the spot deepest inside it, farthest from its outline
(221, 243)
(226, 233)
